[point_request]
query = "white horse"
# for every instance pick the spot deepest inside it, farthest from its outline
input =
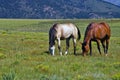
(61, 32)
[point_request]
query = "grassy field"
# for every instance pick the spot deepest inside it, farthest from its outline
(24, 53)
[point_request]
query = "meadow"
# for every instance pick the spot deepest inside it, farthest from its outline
(24, 52)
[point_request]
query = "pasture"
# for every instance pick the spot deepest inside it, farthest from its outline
(24, 53)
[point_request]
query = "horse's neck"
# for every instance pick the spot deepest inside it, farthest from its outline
(88, 36)
(87, 39)
(52, 39)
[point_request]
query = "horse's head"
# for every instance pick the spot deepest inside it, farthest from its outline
(51, 48)
(52, 37)
(85, 48)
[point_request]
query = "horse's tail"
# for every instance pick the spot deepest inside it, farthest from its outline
(79, 34)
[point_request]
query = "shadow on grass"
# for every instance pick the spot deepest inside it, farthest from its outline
(48, 53)
(45, 53)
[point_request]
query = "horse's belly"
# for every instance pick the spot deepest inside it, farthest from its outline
(67, 34)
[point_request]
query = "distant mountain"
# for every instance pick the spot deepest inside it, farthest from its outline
(116, 2)
(58, 9)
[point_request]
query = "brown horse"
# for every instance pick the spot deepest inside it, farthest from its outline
(98, 32)
(60, 32)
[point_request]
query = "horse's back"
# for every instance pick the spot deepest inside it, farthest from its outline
(66, 26)
(98, 30)
(65, 30)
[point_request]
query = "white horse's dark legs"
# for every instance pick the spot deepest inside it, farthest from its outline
(74, 43)
(59, 47)
(67, 45)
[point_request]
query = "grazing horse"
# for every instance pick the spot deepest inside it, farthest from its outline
(60, 32)
(98, 32)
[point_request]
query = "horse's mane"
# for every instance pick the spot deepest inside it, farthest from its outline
(52, 29)
(89, 27)
(54, 25)
(52, 33)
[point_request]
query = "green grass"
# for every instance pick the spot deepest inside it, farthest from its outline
(24, 53)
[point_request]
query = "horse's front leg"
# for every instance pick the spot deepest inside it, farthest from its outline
(107, 44)
(90, 45)
(59, 47)
(98, 46)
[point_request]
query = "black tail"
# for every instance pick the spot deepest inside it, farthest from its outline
(79, 34)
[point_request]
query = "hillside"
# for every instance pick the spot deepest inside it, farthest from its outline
(116, 2)
(58, 9)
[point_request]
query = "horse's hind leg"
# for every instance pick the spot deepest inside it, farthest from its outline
(59, 47)
(107, 44)
(74, 43)
(103, 44)
(67, 45)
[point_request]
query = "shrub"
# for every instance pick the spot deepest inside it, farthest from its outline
(116, 64)
(75, 66)
(44, 77)
(42, 68)
(9, 76)
(116, 76)
(2, 56)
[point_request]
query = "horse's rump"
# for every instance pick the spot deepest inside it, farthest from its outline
(97, 30)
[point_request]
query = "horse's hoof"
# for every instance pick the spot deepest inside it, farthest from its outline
(66, 52)
(60, 53)
(84, 55)
(106, 54)
(53, 55)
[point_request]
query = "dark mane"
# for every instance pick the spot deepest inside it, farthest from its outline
(54, 25)
(52, 33)
(89, 27)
